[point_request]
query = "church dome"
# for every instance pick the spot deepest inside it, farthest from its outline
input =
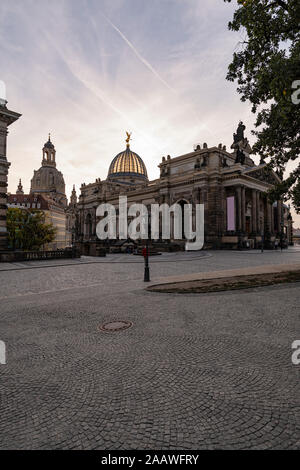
(48, 179)
(127, 164)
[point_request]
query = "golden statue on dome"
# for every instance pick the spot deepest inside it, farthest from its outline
(128, 137)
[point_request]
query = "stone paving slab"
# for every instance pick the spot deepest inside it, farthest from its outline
(193, 372)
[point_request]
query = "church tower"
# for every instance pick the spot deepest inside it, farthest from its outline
(73, 199)
(20, 188)
(48, 181)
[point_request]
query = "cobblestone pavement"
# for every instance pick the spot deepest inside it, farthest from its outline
(193, 372)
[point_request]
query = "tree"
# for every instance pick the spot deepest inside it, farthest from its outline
(267, 70)
(296, 196)
(28, 230)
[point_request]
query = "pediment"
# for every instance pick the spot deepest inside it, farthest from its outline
(265, 174)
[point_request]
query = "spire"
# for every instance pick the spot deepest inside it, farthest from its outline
(73, 199)
(49, 144)
(20, 188)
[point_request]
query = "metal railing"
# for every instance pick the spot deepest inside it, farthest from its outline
(42, 255)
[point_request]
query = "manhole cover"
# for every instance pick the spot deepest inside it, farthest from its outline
(116, 325)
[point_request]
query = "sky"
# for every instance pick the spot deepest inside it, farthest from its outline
(89, 70)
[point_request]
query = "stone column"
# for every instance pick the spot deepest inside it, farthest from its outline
(172, 226)
(196, 196)
(6, 119)
(258, 212)
(254, 212)
(204, 200)
(272, 219)
(223, 225)
(215, 212)
(264, 218)
(94, 223)
(279, 211)
(243, 208)
(81, 224)
(84, 226)
(269, 215)
(238, 208)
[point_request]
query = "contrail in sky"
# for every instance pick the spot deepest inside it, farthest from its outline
(97, 92)
(144, 61)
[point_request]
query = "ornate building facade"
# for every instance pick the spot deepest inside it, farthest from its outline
(237, 212)
(7, 118)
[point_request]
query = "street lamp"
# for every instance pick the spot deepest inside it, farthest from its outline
(146, 251)
(73, 241)
(240, 240)
(146, 257)
(281, 235)
(72, 236)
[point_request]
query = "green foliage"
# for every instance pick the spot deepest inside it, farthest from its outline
(266, 69)
(27, 229)
(296, 196)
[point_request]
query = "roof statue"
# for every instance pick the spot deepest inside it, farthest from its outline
(241, 144)
(239, 133)
(128, 137)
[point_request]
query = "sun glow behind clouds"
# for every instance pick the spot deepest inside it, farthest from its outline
(88, 70)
